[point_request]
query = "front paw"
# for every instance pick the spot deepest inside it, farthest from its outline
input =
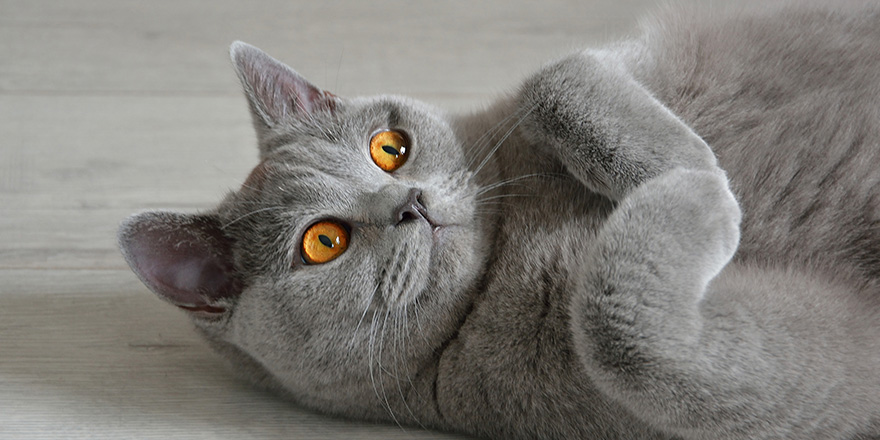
(605, 127)
(693, 215)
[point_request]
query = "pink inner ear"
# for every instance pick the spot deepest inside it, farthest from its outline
(283, 93)
(276, 91)
(306, 96)
(187, 279)
(186, 260)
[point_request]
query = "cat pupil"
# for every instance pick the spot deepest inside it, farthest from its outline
(390, 150)
(325, 240)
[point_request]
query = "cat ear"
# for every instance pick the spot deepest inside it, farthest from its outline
(275, 92)
(185, 259)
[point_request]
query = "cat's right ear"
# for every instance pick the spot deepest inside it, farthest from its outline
(277, 94)
(185, 259)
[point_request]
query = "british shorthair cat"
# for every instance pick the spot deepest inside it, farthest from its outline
(675, 236)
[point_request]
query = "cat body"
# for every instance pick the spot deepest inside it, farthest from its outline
(670, 237)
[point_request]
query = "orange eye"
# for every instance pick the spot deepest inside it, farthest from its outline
(389, 149)
(324, 241)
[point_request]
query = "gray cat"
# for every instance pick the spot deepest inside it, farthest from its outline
(677, 236)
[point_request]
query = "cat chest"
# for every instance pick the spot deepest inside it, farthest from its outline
(513, 363)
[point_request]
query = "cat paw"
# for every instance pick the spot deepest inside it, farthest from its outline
(605, 127)
(693, 218)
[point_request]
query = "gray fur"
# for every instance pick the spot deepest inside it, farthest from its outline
(677, 236)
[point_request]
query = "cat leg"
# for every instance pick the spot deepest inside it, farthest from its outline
(661, 322)
(609, 131)
(659, 327)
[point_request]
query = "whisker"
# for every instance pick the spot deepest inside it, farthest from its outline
(370, 347)
(418, 321)
(477, 148)
(501, 183)
(366, 309)
(505, 196)
(384, 331)
(381, 396)
(495, 208)
(403, 330)
(503, 138)
(385, 370)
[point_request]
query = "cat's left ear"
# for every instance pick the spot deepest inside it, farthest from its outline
(276, 93)
(185, 259)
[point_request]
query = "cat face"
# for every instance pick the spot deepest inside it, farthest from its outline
(345, 258)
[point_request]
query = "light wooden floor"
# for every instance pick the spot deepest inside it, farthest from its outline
(109, 107)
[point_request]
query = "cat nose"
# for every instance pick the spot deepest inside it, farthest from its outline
(412, 209)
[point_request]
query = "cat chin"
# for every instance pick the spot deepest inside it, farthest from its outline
(458, 257)
(405, 268)
(439, 234)
(439, 261)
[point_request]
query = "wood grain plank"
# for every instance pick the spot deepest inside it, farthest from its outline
(396, 46)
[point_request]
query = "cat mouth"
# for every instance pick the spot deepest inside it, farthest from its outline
(436, 231)
(440, 233)
(437, 228)
(440, 227)
(415, 211)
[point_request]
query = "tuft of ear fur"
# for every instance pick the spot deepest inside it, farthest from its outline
(184, 258)
(275, 92)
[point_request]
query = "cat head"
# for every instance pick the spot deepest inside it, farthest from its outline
(345, 259)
